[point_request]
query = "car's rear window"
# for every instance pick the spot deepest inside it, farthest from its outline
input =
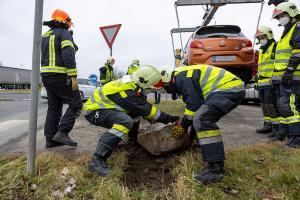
(219, 31)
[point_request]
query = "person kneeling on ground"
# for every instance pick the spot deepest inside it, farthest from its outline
(209, 93)
(117, 106)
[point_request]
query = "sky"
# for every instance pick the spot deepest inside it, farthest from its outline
(145, 31)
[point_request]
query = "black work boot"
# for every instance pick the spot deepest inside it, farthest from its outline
(267, 128)
(99, 166)
(275, 131)
(106, 144)
(63, 138)
(52, 144)
(293, 142)
(277, 136)
(213, 174)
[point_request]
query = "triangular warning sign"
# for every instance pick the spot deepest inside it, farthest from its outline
(110, 33)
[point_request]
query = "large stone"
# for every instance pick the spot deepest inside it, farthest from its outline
(157, 139)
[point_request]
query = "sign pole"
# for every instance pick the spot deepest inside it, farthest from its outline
(37, 33)
(111, 51)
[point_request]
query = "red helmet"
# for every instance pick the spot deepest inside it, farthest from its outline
(62, 16)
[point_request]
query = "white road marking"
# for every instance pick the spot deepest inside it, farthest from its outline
(9, 124)
(249, 108)
(11, 129)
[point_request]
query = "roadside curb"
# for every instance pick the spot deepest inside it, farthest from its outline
(6, 99)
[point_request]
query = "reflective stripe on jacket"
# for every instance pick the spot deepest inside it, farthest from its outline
(283, 53)
(58, 53)
(265, 66)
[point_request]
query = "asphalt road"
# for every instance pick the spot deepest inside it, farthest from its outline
(238, 127)
(14, 116)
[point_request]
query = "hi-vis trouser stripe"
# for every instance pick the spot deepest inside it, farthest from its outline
(209, 137)
(119, 130)
(103, 102)
(276, 120)
(296, 117)
(66, 43)
(154, 114)
(267, 119)
(52, 50)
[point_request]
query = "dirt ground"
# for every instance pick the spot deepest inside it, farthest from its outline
(144, 170)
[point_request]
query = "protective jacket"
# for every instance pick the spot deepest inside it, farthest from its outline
(123, 95)
(266, 63)
(132, 68)
(106, 74)
(196, 83)
(58, 53)
(288, 52)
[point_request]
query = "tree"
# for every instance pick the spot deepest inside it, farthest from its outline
(118, 74)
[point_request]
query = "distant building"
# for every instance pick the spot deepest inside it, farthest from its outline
(14, 78)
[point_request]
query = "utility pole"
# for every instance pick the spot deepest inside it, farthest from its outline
(37, 33)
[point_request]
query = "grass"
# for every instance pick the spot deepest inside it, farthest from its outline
(257, 172)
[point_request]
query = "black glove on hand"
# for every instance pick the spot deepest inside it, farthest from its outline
(172, 119)
(287, 78)
(185, 123)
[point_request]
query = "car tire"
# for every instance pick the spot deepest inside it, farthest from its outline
(81, 95)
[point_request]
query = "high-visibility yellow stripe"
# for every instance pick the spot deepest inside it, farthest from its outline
(121, 128)
(290, 120)
(66, 43)
(123, 94)
(52, 50)
(152, 113)
(189, 112)
(292, 104)
(189, 73)
(54, 69)
(205, 134)
(296, 51)
(72, 72)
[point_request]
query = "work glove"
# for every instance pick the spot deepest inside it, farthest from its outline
(172, 119)
(180, 127)
(287, 78)
(74, 83)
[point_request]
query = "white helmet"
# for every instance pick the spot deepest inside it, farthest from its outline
(135, 62)
(264, 30)
(166, 73)
(147, 76)
(110, 60)
(288, 7)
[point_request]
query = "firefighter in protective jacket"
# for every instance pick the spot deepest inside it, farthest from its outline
(286, 75)
(59, 76)
(209, 93)
(107, 71)
(117, 106)
(267, 96)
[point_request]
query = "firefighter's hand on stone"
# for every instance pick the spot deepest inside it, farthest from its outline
(74, 83)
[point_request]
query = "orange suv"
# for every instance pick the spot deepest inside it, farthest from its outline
(223, 46)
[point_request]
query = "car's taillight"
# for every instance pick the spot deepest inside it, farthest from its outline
(247, 43)
(197, 44)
